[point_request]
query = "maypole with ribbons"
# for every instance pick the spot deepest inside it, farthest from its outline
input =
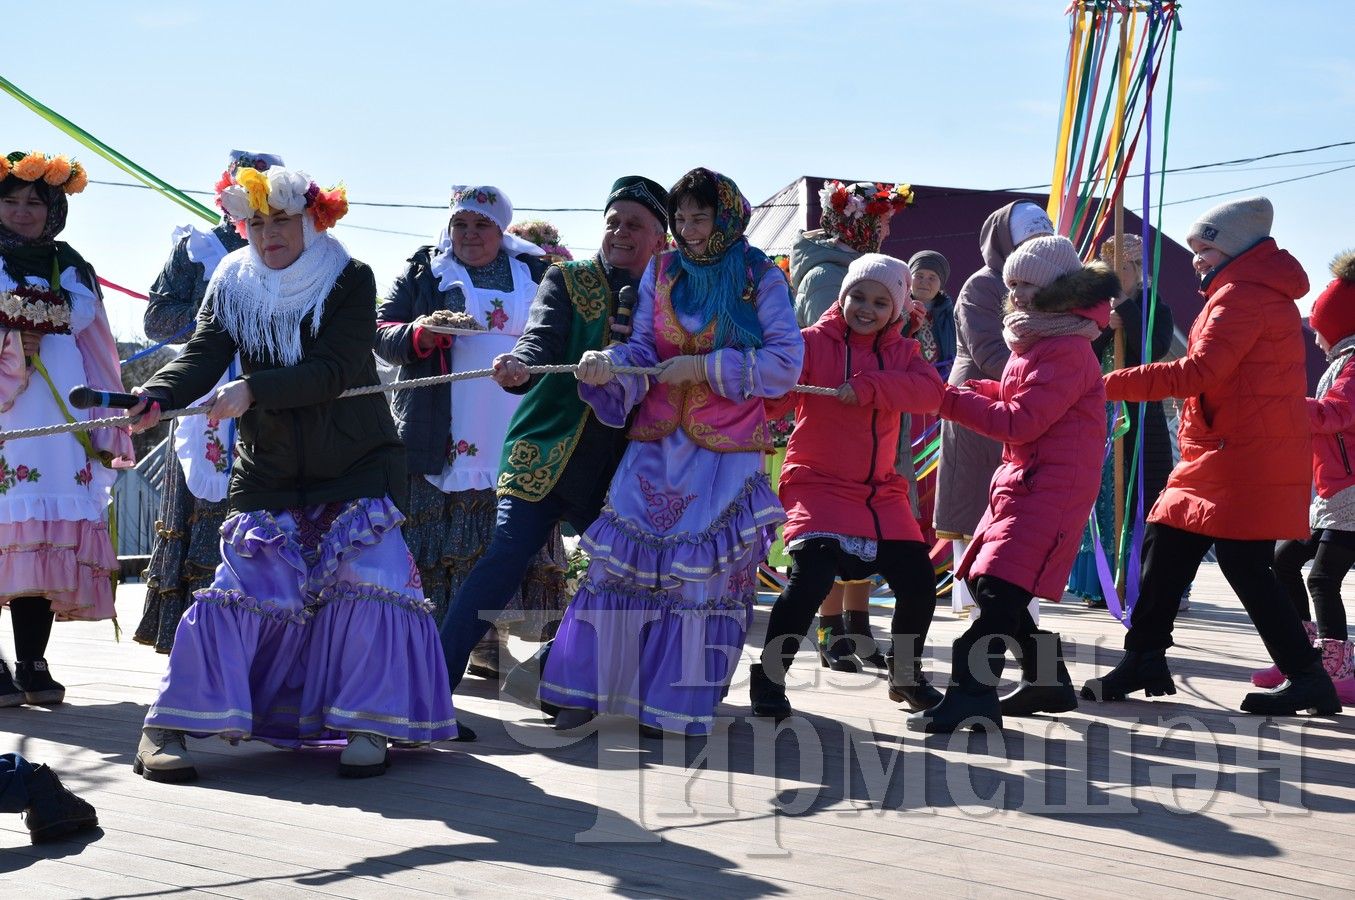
(1118, 53)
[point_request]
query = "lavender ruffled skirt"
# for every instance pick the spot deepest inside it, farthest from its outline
(658, 625)
(315, 626)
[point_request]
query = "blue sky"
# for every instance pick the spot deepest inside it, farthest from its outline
(551, 101)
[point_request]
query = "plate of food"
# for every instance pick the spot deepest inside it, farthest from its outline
(444, 321)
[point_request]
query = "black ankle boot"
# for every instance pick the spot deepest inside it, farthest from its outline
(836, 650)
(37, 684)
(1309, 690)
(968, 701)
(53, 810)
(912, 689)
(857, 624)
(1045, 684)
(1140, 670)
(10, 695)
(767, 697)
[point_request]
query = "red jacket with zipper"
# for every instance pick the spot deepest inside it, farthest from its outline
(1333, 420)
(1246, 449)
(839, 470)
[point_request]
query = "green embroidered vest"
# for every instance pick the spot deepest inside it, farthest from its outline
(545, 429)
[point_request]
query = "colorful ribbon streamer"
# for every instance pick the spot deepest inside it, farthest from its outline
(113, 156)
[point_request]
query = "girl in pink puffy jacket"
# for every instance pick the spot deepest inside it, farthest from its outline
(1331, 547)
(1049, 412)
(847, 509)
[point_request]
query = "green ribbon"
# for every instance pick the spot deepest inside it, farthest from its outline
(122, 162)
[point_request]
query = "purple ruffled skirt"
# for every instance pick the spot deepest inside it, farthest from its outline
(315, 626)
(657, 627)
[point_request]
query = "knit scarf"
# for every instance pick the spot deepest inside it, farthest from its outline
(262, 309)
(1022, 329)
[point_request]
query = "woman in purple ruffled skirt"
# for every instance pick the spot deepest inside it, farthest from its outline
(315, 627)
(658, 625)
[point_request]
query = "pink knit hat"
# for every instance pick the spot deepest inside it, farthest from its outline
(893, 273)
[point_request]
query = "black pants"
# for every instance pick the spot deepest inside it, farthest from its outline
(905, 567)
(1171, 558)
(1332, 554)
(1004, 623)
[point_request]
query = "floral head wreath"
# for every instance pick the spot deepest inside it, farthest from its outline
(855, 212)
(58, 171)
(544, 235)
(243, 159)
(251, 191)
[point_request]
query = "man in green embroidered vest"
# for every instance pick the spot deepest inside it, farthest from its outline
(558, 458)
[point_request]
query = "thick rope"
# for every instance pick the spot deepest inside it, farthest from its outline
(116, 421)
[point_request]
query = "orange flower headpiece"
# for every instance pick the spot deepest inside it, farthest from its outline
(248, 191)
(58, 171)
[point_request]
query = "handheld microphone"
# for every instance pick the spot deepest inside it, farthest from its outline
(83, 397)
(625, 306)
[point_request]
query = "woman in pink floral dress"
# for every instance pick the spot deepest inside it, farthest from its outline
(55, 554)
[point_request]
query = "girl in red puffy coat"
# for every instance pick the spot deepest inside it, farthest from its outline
(1331, 546)
(847, 509)
(1246, 456)
(1049, 412)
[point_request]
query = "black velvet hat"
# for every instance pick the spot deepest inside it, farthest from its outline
(648, 193)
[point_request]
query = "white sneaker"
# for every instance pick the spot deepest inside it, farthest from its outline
(365, 756)
(163, 755)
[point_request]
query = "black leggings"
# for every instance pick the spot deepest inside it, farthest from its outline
(32, 627)
(1332, 553)
(905, 567)
(1171, 556)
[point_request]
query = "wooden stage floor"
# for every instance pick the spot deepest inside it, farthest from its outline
(1175, 797)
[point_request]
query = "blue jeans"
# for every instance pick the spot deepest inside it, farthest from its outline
(520, 530)
(14, 769)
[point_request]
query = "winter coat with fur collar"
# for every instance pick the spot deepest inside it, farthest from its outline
(1049, 412)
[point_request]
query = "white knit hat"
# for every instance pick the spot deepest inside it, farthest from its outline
(888, 271)
(1040, 260)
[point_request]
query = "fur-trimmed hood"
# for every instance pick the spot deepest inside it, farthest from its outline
(1085, 290)
(1094, 283)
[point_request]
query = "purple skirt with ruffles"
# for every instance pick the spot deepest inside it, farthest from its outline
(657, 627)
(315, 626)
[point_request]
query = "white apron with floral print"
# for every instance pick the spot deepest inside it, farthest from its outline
(51, 478)
(205, 451)
(480, 408)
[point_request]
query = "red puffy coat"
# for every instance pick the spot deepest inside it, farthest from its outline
(1049, 411)
(839, 470)
(1332, 417)
(1246, 453)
